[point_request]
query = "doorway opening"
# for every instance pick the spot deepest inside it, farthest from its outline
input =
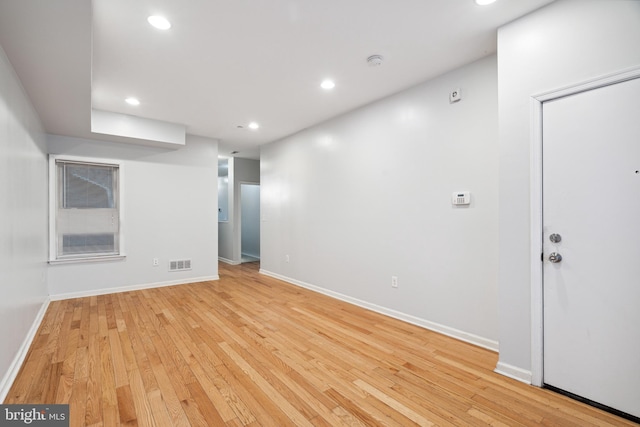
(249, 222)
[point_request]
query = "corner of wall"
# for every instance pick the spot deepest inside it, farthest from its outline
(21, 354)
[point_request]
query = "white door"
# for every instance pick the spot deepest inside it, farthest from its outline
(591, 203)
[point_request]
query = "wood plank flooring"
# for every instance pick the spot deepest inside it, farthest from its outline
(249, 350)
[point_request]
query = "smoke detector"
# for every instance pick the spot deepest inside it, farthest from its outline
(375, 60)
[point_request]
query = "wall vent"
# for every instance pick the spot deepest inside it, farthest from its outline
(180, 265)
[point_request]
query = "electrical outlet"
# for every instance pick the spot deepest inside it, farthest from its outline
(286, 258)
(156, 262)
(394, 281)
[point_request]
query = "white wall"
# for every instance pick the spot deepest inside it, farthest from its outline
(562, 44)
(170, 212)
(250, 220)
(23, 220)
(223, 190)
(367, 196)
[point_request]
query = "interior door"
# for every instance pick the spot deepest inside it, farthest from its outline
(591, 224)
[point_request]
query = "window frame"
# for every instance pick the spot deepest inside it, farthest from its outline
(53, 201)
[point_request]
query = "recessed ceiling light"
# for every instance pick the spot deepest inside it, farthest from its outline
(160, 22)
(132, 101)
(253, 125)
(327, 84)
(484, 2)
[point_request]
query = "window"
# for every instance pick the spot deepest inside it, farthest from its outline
(85, 209)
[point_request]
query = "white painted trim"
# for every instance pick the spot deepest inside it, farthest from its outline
(237, 234)
(436, 327)
(513, 372)
(590, 84)
(18, 360)
(537, 225)
(228, 261)
(95, 292)
(535, 192)
(105, 258)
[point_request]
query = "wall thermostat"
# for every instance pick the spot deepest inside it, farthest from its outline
(461, 198)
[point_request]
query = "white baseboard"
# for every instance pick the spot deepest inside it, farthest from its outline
(95, 292)
(18, 360)
(436, 327)
(228, 261)
(514, 372)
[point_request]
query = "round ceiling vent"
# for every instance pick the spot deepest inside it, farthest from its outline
(375, 60)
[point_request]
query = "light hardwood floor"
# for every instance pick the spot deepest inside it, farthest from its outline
(251, 350)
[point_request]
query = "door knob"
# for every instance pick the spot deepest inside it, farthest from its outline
(555, 257)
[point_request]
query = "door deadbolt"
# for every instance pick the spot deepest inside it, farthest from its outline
(555, 238)
(555, 257)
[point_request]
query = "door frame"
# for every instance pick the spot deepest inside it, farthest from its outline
(238, 221)
(536, 236)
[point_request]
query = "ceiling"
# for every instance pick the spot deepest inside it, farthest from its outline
(225, 63)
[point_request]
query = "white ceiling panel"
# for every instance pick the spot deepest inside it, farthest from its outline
(223, 64)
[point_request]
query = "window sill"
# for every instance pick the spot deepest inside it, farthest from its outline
(85, 260)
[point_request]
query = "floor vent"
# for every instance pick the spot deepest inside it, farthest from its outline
(180, 265)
